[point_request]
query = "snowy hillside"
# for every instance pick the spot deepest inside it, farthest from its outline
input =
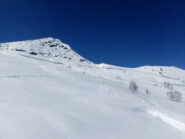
(47, 91)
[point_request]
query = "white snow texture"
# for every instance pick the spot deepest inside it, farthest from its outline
(48, 91)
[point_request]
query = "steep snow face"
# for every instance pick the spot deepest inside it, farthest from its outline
(41, 98)
(47, 49)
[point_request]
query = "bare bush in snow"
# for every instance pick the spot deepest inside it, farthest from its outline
(175, 96)
(147, 91)
(161, 71)
(118, 77)
(167, 85)
(69, 67)
(133, 86)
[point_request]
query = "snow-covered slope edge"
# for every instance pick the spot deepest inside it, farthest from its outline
(40, 99)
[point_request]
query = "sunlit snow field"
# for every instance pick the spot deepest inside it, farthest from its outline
(41, 98)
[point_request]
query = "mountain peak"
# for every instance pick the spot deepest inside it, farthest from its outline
(46, 48)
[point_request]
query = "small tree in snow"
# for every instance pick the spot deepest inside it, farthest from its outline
(133, 86)
(175, 96)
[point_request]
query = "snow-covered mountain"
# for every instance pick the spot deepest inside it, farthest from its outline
(46, 49)
(48, 91)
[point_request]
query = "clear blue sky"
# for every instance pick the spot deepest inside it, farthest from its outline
(127, 33)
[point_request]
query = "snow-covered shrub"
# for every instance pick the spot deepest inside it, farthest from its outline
(175, 96)
(133, 86)
(124, 71)
(69, 67)
(168, 85)
(118, 77)
(161, 71)
(147, 92)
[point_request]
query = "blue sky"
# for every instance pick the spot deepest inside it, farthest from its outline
(127, 33)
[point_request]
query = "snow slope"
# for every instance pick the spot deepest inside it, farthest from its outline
(48, 97)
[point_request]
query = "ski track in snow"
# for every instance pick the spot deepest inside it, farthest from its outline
(167, 119)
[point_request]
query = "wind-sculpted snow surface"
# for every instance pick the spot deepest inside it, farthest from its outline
(169, 120)
(46, 98)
